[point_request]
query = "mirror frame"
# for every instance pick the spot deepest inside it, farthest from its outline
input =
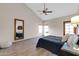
(15, 27)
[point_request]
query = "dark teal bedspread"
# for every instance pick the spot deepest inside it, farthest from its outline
(51, 43)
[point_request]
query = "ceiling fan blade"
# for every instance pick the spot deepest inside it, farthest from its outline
(48, 11)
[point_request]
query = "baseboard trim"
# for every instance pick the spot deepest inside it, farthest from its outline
(25, 39)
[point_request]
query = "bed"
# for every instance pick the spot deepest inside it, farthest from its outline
(51, 43)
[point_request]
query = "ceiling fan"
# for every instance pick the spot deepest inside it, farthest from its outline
(45, 11)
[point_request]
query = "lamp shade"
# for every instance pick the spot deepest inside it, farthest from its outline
(75, 25)
(75, 20)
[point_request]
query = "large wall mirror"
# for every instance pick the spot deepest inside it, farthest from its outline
(18, 29)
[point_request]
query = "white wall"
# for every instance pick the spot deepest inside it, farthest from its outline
(20, 11)
(56, 26)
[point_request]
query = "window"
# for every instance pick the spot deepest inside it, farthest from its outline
(43, 30)
(69, 28)
(40, 27)
(46, 30)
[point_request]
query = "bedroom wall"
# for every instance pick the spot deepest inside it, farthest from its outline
(56, 25)
(20, 11)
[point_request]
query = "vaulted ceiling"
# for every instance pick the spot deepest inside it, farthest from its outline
(58, 9)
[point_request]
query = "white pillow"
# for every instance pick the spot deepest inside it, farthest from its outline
(65, 37)
(72, 39)
(75, 39)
